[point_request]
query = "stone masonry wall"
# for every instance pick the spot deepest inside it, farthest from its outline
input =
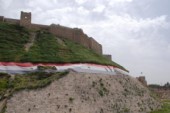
(1, 18)
(142, 80)
(76, 35)
(94, 45)
(108, 57)
(39, 27)
(25, 19)
(62, 31)
(11, 21)
(80, 37)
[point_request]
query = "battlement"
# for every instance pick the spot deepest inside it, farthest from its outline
(75, 34)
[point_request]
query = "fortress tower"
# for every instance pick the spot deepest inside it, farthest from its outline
(25, 19)
(142, 80)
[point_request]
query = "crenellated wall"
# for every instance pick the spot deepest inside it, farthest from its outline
(75, 34)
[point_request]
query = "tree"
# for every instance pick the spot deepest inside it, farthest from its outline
(167, 85)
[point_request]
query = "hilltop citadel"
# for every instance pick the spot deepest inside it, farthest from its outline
(75, 34)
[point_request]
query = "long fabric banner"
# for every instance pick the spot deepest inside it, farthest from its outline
(18, 68)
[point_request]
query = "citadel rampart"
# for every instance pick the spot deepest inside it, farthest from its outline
(75, 34)
(11, 21)
(39, 27)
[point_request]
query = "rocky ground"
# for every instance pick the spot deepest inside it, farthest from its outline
(85, 93)
(164, 94)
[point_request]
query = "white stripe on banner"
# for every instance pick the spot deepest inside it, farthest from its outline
(19, 68)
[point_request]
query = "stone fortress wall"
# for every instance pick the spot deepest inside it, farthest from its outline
(108, 56)
(1, 18)
(9, 20)
(142, 80)
(75, 34)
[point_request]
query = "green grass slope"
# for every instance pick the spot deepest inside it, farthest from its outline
(46, 48)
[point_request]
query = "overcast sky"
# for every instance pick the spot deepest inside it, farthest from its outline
(135, 32)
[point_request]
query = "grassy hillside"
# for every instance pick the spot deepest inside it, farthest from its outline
(46, 48)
